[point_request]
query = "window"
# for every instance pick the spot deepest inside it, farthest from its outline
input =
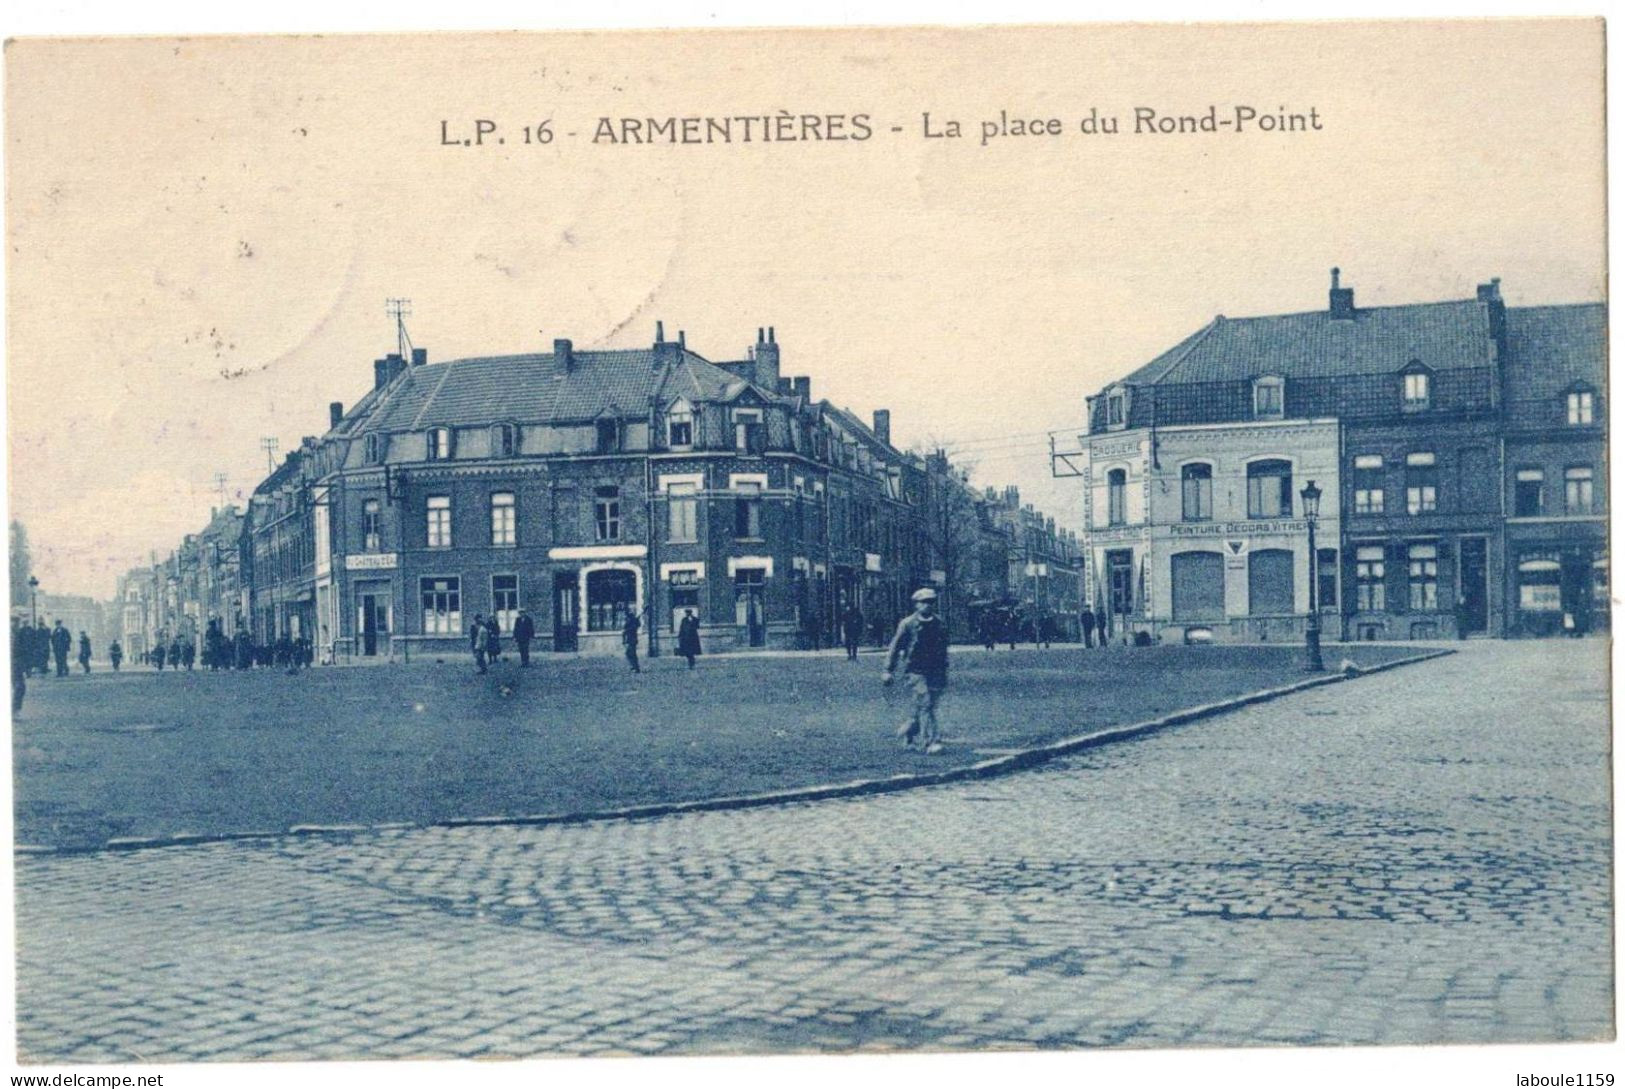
(1577, 489)
(1114, 410)
(1529, 493)
(442, 606)
(1196, 491)
(1197, 589)
(608, 440)
(1269, 489)
(749, 435)
(439, 521)
(683, 514)
(373, 448)
(606, 512)
(440, 444)
(1418, 392)
(1267, 398)
(1581, 407)
(1116, 495)
(505, 600)
(1424, 576)
(685, 595)
(1370, 574)
(1368, 497)
(680, 429)
(1540, 587)
(1270, 582)
(748, 511)
(1326, 581)
(1421, 484)
(504, 440)
(502, 520)
(371, 526)
(611, 594)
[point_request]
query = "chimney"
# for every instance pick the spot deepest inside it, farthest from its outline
(801, 386)
(1490, 292)
(564, 354)
(420, 357)
(335, 413)
(1342, 298)
(682, 341)
(386, 369)
(767, 361)
(882, 427)
(1490, 295)
(660, 332)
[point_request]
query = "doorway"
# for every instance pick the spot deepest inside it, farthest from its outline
(1475, 589)
(372, 621)
(566, 621)
(748, 605)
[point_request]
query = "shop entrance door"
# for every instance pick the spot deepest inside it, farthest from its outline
(372, 621)
(1475, 590)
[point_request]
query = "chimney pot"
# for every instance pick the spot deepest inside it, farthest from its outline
(1336, 272)
(770, 339)
(1341, 298)
(682, 339)
(761, 335)
(660, 332)
(420, 356)
(335, 413)
(564, 353)
(882, 426)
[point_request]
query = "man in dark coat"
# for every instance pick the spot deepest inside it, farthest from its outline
(524, 630)
(921, 648)
(493, 645)
(61, 641)
(115, 654)
(479, 639)
(1086, 621)
(42, 648)
(84, 652)
(19, 663)
(688, 637)
(852, 629)
(629, 636)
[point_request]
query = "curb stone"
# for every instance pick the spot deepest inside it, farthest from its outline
(986, 769)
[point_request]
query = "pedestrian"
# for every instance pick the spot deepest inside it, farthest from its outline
(61, 640)
(115, 654)
(984, 630)
(921, 648)
(852, 629)
(158, 653)
(493, 646)
(176, 650)
(188, 648)
(1012, 627)
(84, 652)
(1086, 621)
(629, 636)
(42, 648)
(524, 630)
(688, 637)
(479, 640)
(20, 646)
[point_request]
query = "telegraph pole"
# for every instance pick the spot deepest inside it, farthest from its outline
(220, 486)
(270, 444)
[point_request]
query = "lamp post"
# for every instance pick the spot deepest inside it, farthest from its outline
(33, 599)
(1311, 630)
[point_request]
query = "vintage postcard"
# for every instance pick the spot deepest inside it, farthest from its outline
(769, 542)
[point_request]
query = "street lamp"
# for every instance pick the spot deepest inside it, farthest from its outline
(1311, 630)
(33, 599)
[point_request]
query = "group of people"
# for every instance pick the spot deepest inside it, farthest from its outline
(485, 639)
(35, 646)
(218, 651)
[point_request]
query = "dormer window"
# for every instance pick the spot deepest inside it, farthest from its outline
(750, 437)
(372, 448)
(504, 440)
(440, 444)
(1582, 407)
(1268, 398)
(608, 437)
(680, 427)
(1114, 410)
(1418, 388)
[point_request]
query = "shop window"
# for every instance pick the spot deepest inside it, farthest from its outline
(441, 444)
(1269, 489)
(372, 519)
(1370, 579)
(1269, 582)
(1116, 497)
(1198, 585)
(1577, 489)
(611, 595)
(606, 510)
(1421, 484)
(442, 606)
(683, 508)
(1196, 492)
(1529, 493)
(1368, 484)
(439, 510)
(1540, 583)
(1423, 561)
(505, 600)
(503, 528)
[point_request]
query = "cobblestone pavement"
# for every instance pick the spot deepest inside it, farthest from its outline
(1419, 856)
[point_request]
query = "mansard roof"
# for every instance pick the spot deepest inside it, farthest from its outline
(541, 389)
(1377, 340)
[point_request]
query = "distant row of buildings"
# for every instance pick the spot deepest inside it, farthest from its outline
(585, 485)
(1459, 448)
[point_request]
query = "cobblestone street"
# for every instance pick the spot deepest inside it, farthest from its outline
(1420, 856)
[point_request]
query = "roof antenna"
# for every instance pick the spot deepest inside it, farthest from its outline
(399, 309)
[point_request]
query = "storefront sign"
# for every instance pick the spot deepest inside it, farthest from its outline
(370, 561)
(1238, 529)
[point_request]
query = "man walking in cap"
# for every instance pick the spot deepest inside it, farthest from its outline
(921, 646)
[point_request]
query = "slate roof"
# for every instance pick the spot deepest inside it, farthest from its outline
(538, 389)
(1379, 339)
(1550, 348)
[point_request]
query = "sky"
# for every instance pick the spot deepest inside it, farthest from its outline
(202, 232)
